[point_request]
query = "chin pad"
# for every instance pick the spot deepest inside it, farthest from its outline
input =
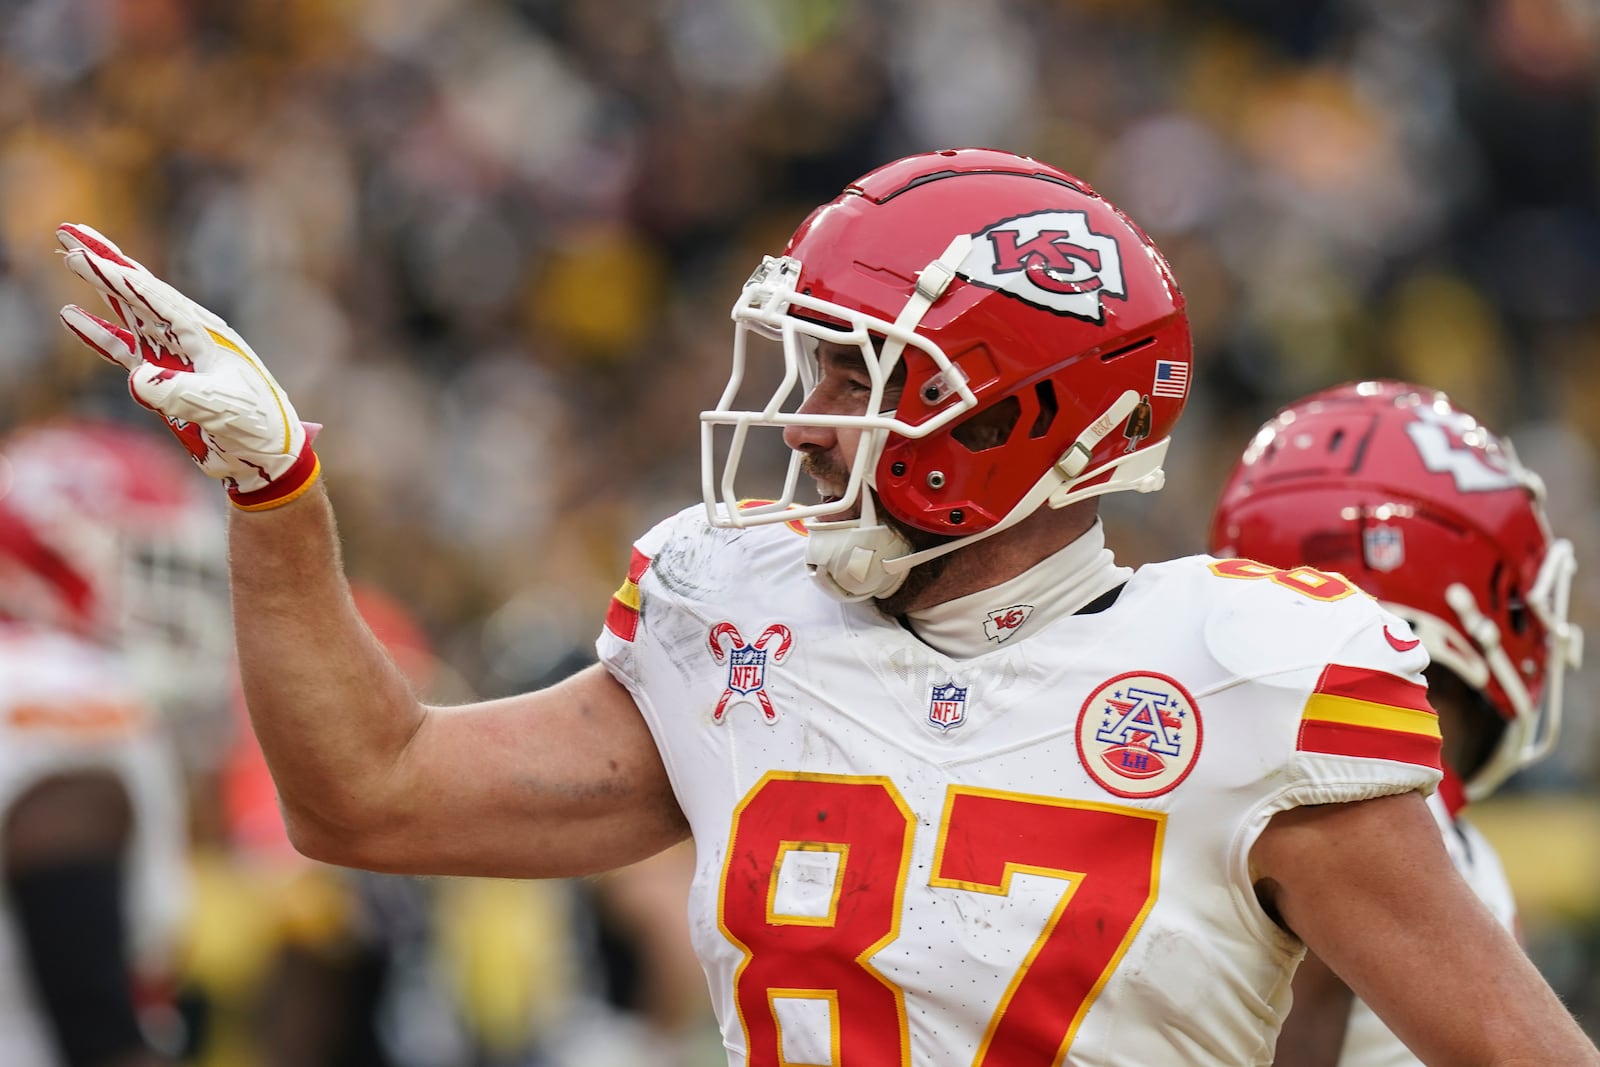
(849, 562)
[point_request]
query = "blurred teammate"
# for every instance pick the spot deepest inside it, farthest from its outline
(962, 790)
(1423, 507)
(104, 553)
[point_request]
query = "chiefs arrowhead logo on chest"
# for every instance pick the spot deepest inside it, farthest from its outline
(1139, 734)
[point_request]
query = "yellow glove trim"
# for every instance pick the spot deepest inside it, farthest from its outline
(283, 415)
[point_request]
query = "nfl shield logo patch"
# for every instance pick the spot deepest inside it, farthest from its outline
(948, 707)
(1383, 546)
(747, 669)
(747, 665)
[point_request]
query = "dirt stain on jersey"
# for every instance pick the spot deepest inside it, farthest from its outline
(683, 562)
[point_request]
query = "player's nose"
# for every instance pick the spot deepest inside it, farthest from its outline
(810, 438)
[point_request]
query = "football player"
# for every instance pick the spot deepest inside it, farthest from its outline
(109, 560)
(962, 790)
(1419, 504)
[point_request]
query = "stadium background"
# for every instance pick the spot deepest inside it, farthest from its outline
(491, 244)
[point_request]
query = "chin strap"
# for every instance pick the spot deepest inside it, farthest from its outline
(863, 558)
(848, 557)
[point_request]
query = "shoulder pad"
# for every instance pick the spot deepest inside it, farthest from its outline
(1266, 620)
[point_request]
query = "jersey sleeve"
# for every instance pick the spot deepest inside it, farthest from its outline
(1366, 727)
(616, 644)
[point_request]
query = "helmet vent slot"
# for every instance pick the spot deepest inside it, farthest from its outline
(1517, 613)
(1045, 391)
(1127, 349)
(991, 427)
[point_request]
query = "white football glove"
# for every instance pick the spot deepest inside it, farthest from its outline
(192, 369)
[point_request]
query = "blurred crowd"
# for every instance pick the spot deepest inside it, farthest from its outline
(492, 244)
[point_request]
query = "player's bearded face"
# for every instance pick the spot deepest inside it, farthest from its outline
(828, 454)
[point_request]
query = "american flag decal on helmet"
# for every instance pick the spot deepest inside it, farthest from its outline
(1172, 379)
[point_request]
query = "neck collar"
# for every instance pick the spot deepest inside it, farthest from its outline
(1058, 585)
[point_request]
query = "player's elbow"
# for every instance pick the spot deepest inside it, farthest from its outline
(310, 837)
(342, 843)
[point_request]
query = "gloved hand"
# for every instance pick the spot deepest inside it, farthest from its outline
(192, 369)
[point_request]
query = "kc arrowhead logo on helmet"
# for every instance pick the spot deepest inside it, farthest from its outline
(1050, 259)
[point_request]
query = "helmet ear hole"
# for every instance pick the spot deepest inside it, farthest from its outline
(989, 428)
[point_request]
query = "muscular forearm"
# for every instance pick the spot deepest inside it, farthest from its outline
(332, 713)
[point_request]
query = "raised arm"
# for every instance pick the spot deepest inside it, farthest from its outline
(558, 782)
(1370, 889)
(562, 781)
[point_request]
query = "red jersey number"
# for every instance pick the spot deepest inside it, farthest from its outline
(854, 835)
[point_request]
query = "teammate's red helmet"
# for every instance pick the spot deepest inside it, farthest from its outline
(1015, 298)
(1416, 502)
(106, 531)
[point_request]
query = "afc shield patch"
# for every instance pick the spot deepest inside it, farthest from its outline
(1139, 734)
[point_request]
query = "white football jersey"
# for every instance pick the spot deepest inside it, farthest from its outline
(65, 705)
(1367, 1041)
(1039, 855)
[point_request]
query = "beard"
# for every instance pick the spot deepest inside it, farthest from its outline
(826, 468)
(922, 577)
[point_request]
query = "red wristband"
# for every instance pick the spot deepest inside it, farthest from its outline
(296, 480)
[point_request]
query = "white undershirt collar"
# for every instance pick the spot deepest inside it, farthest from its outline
(1057, 585)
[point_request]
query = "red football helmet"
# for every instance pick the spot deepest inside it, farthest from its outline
(1412, 499)
(1008, 291)
(104, 531)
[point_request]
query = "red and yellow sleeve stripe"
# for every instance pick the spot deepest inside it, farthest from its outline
(622, 616)
(1371, 714)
